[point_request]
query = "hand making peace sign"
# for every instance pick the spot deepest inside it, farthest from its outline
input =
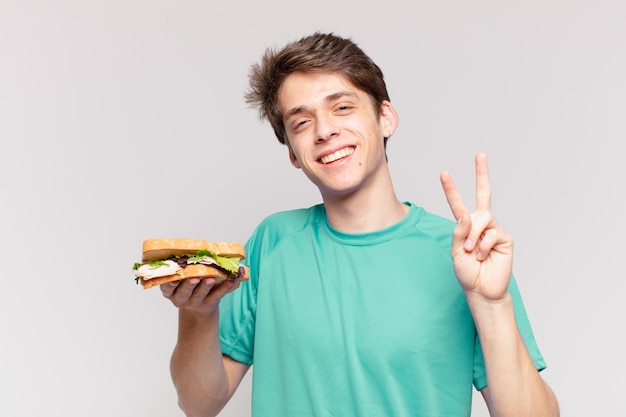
(482, 252)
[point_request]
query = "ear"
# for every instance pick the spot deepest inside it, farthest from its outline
(293, 159)
(388, 119)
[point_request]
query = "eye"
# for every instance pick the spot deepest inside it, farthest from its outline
(344, 108)
(299, 124)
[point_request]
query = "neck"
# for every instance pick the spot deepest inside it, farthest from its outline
(365, 211)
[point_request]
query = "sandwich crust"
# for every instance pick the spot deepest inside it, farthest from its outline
(162, 248)
(193, 271)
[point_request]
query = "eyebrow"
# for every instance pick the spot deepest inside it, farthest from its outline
(328, 99)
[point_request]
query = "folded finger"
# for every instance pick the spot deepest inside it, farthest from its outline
(168, 288)
(486, 244)
(481, 222)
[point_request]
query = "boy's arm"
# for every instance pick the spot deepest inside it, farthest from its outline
(514, 385)
(482, 254)
(204, 378)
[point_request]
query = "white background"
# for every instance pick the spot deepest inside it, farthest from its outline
(124, 119)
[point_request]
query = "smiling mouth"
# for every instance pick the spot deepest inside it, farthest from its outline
(341, 153)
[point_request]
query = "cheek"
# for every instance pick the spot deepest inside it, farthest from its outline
(293, 159)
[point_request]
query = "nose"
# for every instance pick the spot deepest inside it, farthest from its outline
(326, 129)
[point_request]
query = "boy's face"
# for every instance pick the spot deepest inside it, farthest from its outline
(334, 133)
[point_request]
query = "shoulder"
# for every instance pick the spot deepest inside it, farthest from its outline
(292, 219)
(280, 225)
(279, 230)
(437, 227)
(295, 215)
(428, 219)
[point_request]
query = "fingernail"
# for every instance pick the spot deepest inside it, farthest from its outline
(468, 244)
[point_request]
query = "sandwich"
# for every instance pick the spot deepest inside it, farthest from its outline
(165, 260)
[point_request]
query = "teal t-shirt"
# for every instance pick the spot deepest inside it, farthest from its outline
(369, 325)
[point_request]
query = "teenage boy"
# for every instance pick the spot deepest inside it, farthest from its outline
(363, 305)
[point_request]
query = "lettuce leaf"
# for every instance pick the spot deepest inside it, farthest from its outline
(153, 265)
(230, 264)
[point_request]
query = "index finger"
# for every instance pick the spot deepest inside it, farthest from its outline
(455, 201)
(483, 187)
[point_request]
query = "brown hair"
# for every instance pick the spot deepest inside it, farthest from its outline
(316, 52)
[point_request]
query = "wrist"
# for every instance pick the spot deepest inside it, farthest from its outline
(195, 317)
(484, 306)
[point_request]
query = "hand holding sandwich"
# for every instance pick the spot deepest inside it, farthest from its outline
(192, 273)
(200, 294)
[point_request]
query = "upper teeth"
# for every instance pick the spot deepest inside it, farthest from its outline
(341, 153)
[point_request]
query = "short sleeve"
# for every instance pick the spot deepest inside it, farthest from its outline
(237, 314)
